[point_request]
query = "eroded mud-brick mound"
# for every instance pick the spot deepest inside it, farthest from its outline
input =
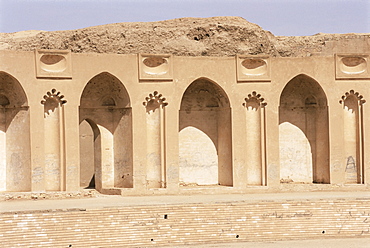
(216, 36)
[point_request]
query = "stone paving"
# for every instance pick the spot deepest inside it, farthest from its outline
(108, 201)
(99, 201)
(316, 243)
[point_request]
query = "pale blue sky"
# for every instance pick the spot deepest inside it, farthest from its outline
(281, 17)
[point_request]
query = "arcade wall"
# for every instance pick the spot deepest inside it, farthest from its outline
(163, 124)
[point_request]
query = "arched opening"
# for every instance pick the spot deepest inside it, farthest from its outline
(54, 142)
(155, 146)
(15, 154)
(351, 137)
(352, 103)
(255, 151)
(304, 132)
(105, 121)
(205, 135)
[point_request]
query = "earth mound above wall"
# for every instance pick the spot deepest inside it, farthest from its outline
(215, 36)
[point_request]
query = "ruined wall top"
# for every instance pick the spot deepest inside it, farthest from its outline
(215, 36)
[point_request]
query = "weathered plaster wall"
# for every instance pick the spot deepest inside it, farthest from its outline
(243, 131)
(87, 154)
(14, 136)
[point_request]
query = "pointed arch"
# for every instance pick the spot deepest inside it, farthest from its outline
(205, 106)
(301, 87)
(13, 90)
(105, 103)
(104, 86)
(15, 156)
(214, 94)
(303, 118)
(352, 103)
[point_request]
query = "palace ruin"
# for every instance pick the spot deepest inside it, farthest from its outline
(183, 106)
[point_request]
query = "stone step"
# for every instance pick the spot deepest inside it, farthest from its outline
(133, 226)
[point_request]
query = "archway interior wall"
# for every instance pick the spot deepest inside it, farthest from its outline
(105, 102)
(105, 172)
(87, 154)
(197, 150)
(18, 153)
(205, 108)
(303, 132)
(123, 155)
(224, 147)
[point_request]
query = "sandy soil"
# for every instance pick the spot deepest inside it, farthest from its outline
(216, 36)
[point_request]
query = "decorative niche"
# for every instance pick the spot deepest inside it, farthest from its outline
(253, 68)
(53, 63)
(352, 66)
(155, 67)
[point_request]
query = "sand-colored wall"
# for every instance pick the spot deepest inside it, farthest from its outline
(218, 121)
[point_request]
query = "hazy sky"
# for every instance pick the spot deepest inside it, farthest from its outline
(281, 17)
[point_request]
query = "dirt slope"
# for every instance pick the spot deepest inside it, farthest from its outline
(216, 36)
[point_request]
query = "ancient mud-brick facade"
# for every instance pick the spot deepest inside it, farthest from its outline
(157, 123)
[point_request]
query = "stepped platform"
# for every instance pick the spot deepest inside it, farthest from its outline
(307, 219)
